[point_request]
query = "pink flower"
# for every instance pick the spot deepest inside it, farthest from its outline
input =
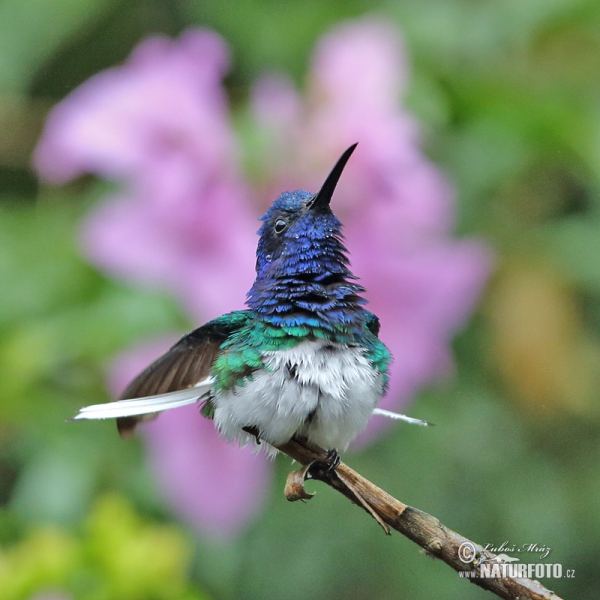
(160, 125)
(164, 106)
(183, 217)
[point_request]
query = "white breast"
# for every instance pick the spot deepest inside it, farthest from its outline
(323, 391)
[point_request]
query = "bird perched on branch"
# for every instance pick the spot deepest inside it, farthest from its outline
(303, 360)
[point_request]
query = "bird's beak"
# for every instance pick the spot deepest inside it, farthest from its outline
(321, 199)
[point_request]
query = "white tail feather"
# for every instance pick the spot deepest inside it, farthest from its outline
(392, 415)
(144, 406)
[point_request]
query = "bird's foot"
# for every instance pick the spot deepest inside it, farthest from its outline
(322, 468)
(333, 460)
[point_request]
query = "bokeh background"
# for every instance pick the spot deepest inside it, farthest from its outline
(128, 209)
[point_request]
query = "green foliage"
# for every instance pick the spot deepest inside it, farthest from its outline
(59, 320)
(31, 31)
(116, 555)
(271, 35)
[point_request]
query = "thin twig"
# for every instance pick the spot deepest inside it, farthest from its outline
(425, 530)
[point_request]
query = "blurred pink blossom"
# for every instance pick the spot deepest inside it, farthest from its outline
(184, 219)
(160, 125)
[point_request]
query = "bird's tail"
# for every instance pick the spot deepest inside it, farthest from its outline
(397, 416)
(144, 406)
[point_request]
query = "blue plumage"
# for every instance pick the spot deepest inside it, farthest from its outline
(302, 269)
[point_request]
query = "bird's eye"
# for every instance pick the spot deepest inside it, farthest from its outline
(280, 225)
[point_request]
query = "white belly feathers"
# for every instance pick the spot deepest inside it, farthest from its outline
(323, 391)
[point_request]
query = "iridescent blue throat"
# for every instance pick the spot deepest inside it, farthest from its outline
(306, 281)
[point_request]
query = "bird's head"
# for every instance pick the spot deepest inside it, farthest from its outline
(300, 231)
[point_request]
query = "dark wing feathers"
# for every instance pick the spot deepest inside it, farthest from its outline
(180, 367)
(184, 365)
(373, 324)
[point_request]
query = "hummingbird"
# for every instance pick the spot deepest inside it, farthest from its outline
(303, 360)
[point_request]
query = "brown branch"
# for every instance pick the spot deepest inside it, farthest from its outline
(425, 530)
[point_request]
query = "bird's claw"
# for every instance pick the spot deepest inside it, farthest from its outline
(323, 468)
(333, 460)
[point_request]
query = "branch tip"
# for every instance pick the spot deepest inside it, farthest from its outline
(294, 485)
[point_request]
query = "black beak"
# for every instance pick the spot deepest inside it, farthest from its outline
(322, 198)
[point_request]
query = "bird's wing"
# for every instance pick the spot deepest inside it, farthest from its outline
(180, 376)
(373, 324)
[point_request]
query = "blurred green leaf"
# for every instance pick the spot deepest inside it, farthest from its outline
(54, 487)
(469, 35)
(118, 556)
(571, 244)
(30, 31)
(60, 321)
(269, 35)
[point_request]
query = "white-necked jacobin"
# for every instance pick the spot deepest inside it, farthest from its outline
(303, 360)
